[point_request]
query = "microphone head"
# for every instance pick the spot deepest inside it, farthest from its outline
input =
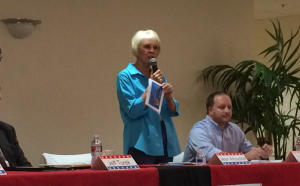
(153, 62)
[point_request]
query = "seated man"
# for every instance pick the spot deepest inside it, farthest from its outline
(10, 150)
(11, 154)
(217, 134)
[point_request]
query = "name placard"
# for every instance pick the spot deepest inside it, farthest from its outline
(294, 156)
(2, 171)
(229, 158)
(114, 162)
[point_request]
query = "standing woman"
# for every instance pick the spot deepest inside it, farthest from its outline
(148, 137)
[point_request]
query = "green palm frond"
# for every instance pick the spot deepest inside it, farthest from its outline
(289, 43)
(258, 91)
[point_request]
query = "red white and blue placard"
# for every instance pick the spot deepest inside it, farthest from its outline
(294, 156)
(2, 171)
(229, 158)
(114, 162)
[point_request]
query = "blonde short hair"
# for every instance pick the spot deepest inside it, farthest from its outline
(139, 36)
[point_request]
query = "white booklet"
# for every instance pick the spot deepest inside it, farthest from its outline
(155, 96)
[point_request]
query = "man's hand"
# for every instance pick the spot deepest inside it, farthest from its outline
(267, 151)
(167, 89)
(254, 154)
(157, 76)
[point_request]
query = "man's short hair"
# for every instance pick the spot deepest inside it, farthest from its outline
(211, 97)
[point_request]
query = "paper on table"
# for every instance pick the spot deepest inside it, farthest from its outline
(65, 165)
(154, 96)
(178, 163)
(252, 184)
(265, 161)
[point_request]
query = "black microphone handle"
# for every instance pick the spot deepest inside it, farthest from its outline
(154, 68)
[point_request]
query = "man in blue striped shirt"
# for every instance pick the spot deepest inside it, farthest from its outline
(217, 134)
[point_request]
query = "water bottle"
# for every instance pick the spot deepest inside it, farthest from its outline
(96, 148)
(200, 158)
(298, 144)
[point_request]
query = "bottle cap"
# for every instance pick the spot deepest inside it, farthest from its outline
(200, 150)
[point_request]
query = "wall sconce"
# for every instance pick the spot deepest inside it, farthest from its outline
(20, 28)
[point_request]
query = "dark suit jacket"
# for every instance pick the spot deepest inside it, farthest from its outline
(10, 146)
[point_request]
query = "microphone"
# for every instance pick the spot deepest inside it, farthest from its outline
(153, 64)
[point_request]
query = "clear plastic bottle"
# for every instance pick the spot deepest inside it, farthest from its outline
(200, 157)
(96, 148)
(298, 144)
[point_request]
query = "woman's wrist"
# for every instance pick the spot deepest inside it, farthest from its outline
(169, 98)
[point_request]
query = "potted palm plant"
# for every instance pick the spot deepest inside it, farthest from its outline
(258, 91)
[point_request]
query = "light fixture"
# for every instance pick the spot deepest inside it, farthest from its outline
(19, 27)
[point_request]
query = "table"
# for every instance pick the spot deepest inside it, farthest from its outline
(269, 174)
(146, 176)
(184, 175)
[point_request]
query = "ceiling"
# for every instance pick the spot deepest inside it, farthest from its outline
(266, 9)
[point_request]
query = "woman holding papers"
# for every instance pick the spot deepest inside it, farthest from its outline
(149, 136)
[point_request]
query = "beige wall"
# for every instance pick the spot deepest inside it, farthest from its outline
(263, 40)
(58, 85)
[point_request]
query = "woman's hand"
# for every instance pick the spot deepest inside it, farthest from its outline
(157, 76)
(168, 90)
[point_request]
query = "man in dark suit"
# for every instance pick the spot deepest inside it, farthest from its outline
(10, 148)
(11, 153)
